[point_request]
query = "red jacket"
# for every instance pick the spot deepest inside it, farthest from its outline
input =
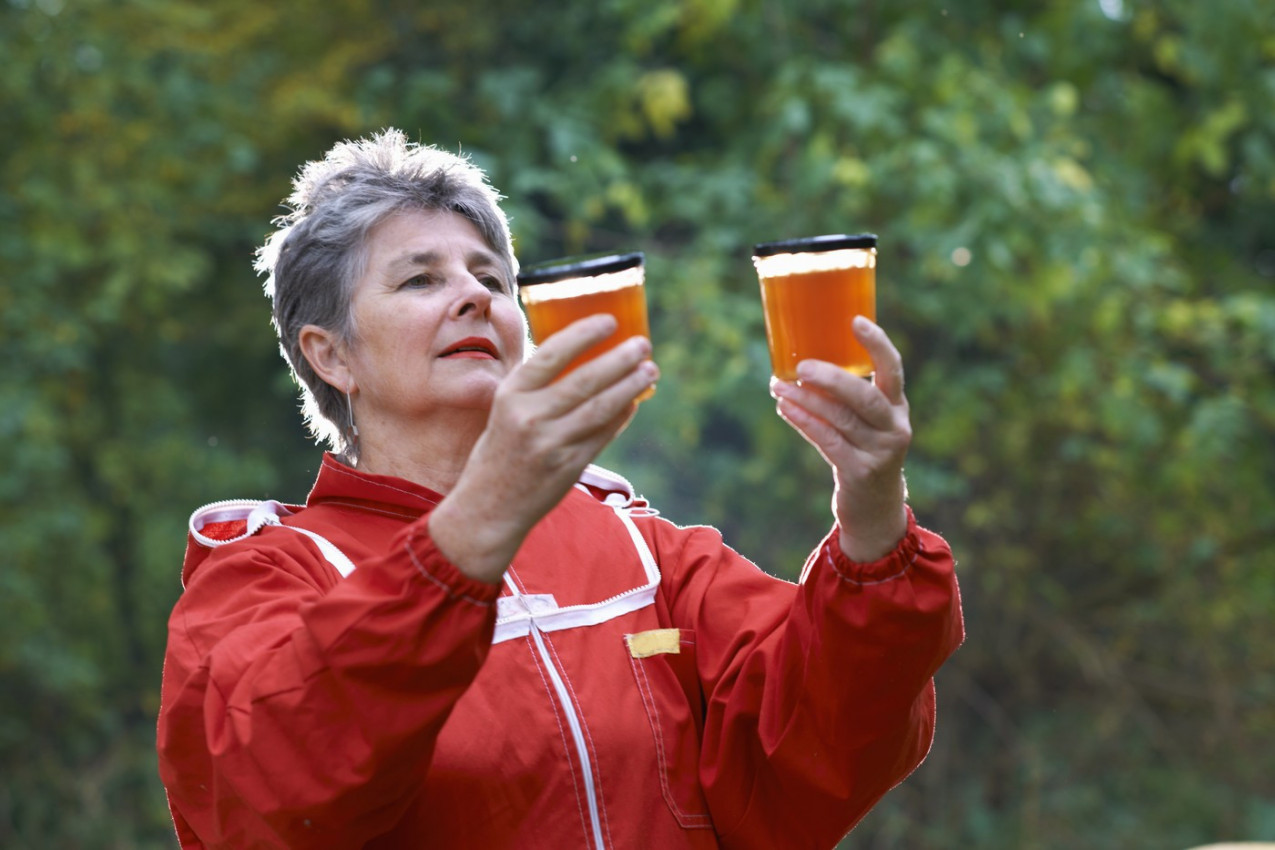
(634, 684)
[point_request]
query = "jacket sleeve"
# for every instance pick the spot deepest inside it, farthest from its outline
(301, 711)
(819, 698)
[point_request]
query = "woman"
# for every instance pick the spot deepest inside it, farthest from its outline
(471, 637)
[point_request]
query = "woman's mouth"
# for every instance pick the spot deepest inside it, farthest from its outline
(471, 348)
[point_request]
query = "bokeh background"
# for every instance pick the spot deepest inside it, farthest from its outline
(1076, 208)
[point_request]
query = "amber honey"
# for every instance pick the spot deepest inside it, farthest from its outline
(809, 301)
(553, 305)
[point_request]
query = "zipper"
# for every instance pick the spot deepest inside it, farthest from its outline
(573, 721)
(225, 510)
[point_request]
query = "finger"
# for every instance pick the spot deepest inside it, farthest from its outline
(840, 388)
(611, 404)
(599, 373)
(841, 416)
(850, 462)
(886, 361)
(814, 431)
(551, 357)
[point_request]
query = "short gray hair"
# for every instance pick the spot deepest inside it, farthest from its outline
(318, 252)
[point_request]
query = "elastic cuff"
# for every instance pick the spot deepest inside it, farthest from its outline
(886, 568)
(435, 568)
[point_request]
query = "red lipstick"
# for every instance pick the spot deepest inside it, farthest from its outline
(474, 347)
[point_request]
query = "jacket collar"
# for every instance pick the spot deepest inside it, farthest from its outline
(341, 484)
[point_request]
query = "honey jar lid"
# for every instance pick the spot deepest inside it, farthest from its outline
(830, 242)
(572, 267)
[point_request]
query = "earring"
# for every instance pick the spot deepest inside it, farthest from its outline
(352, 431)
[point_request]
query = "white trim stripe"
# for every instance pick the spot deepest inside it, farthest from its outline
(552, 619)
(573, 616)
(256, 516)
(547, 615)
(335, 556)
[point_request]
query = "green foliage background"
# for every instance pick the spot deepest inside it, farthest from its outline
(1075, 202)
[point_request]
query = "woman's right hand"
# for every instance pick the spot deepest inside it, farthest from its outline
(542, 432)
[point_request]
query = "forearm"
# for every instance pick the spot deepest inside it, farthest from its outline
(878, 631)
(833, 705)
(471, 530)
(308, 716)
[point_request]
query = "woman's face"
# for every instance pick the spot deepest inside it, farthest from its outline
(436, 320)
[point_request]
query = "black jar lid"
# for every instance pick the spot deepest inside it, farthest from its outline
(570, 267)
(831, 242)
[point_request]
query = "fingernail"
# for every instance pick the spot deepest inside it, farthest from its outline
(861, 323)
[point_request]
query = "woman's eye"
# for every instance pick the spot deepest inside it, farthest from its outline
(418, 281)
(493, 283)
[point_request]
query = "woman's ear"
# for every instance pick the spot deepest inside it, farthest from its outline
(328, 356)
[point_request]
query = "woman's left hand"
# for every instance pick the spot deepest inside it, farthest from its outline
(863, 430)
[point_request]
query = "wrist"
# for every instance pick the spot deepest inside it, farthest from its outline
(475, 544)
(867, 540)
(872, 519)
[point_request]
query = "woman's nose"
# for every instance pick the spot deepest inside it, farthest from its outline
(471, 296)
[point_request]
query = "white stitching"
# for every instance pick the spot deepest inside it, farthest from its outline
(892, 577)
(448, 589)
(405, 513)
(597, 765)
(657, 729)
(648, 702)
(513, 576)
(566, 748)
(337, 468)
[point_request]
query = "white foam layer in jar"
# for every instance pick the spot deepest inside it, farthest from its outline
(574, 287)
(807, 262)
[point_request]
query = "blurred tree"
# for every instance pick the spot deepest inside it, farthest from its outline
(1074, 202)
(135, 170)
